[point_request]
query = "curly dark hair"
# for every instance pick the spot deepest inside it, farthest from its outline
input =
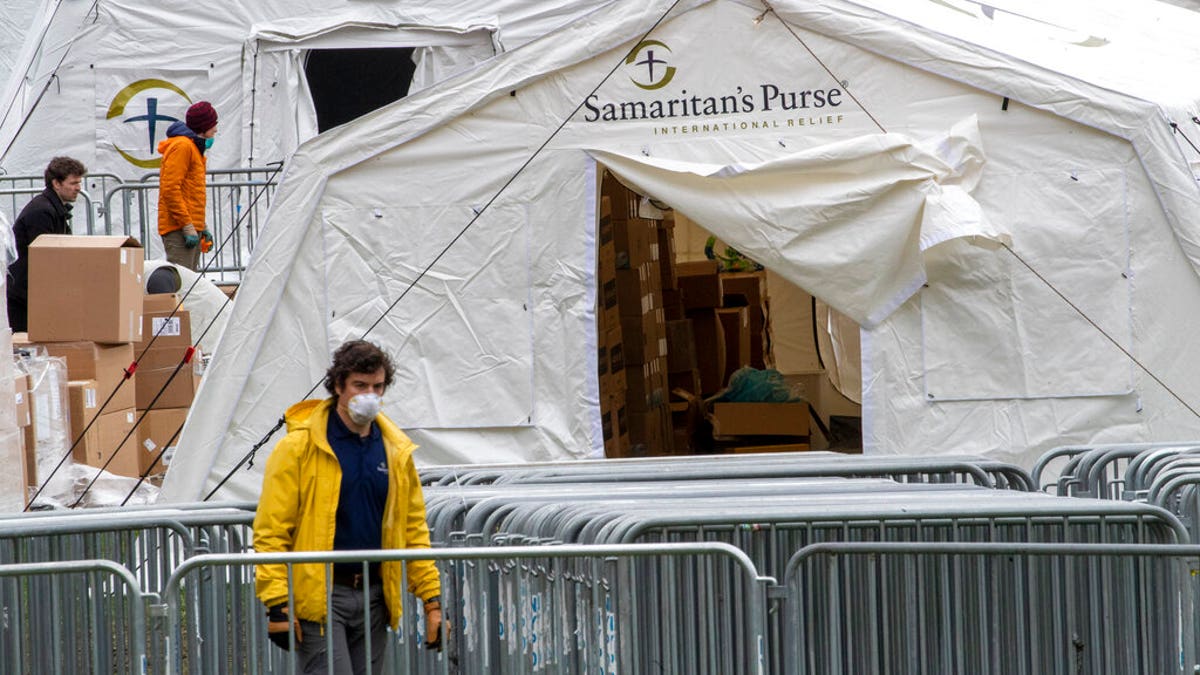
(357, 356)
(60, 168)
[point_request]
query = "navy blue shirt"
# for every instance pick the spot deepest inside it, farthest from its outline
(364, 488)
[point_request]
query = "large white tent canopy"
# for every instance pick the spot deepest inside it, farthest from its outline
(943, 129)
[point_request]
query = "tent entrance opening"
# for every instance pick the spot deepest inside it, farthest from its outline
(349, 83)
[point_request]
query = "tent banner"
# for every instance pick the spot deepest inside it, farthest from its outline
(134, 109)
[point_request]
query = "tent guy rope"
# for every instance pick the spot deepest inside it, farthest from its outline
(129, 371)
(249, 456)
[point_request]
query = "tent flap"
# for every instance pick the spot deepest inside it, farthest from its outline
(846, 221)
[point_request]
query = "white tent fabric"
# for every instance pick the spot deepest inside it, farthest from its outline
(496, 343)
(846, 221)
(80, 59)
(17, 18)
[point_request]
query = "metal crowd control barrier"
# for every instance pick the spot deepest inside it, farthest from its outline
(1103, 471)
(93, 183)
(12, 200)
(132, 209)
(680, 608)
(83, 616)
(150, 543)
(981, 471)
(246, 173)
(1023, 608)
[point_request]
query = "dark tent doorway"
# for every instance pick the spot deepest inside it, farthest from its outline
(349, 83)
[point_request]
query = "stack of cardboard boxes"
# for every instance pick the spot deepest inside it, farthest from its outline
(631, 263)
(679, 330)
(87, 307)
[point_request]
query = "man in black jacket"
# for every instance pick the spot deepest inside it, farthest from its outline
(47, 213)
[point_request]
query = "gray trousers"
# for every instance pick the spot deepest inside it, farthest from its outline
(348, 639)
(178, 253)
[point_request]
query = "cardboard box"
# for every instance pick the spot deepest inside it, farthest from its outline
(710, 349)
(104, 363)
(156, 370)
(735, 324)
(158, 430)
(636, 291)
(646, 385)
(644, 336)
(29, 459)
(750, 289)
(615, 427)
(672, 300)
(115, 444)
(160, 303)
(85, 288)
(634, 242)
(760, 419)
(700, 284)
(688, 381)
(609, 310)
(649, 432)
(666, 256)
(162, 329)
(786, 447)
(681, 346)
(623, 202)
(617, 384)
(21, 389)
(84, 402)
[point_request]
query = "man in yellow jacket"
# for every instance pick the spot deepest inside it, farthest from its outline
(343, 478)
(182, 183)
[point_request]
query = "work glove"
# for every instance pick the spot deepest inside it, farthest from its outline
(190, 238)
(206, 241)
(433, 623)
(278, 625)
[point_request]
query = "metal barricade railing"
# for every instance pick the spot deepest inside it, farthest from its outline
(236, 209)
(246, 173)
(1012, 608)
(12, 200)
(82, 616)
(981, 471)
(150, 543)
(694, 608)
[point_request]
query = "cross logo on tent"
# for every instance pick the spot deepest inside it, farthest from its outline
(152, 116)
(642, 57)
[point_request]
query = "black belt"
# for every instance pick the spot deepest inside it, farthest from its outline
(355, 578)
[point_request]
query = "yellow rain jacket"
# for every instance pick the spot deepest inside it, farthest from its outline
(298, 509)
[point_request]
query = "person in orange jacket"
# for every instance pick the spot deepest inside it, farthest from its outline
(181, 186)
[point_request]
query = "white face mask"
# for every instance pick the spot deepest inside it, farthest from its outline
(364, 407)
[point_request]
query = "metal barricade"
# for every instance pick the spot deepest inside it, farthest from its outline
(694, 608)
(245, 173)
(1012, 608)
(84, 616)
(12, 200)
(981, 471)
(236, 211)
(149, 543)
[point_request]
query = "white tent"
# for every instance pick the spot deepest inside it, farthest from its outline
(98, 79)
(17, 19)
(878, 157)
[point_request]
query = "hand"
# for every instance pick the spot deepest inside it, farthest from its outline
(433, 624)
(206, 241)
(278, 625)
(190, 238)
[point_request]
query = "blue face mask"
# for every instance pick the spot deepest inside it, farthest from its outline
(208, 143)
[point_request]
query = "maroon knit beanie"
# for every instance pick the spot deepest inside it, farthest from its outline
(201, 117)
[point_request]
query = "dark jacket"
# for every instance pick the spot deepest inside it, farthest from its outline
(44, 214)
